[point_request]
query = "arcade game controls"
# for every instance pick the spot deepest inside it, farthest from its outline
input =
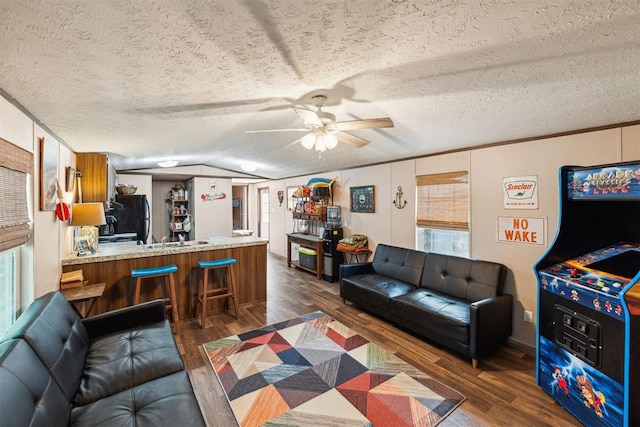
(588, 329)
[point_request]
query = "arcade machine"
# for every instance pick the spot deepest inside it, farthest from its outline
(588, 329)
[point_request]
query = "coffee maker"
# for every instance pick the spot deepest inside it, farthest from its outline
(109, 228)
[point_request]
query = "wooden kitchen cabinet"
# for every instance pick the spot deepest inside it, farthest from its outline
(98, 178)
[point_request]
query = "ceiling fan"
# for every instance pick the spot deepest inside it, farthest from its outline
(323, 130)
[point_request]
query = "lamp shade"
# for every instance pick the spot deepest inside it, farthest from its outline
(83, 214)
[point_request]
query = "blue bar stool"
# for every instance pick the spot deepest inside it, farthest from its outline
(166, 271)
(223, 291)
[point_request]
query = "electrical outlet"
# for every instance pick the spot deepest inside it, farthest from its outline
(528, 316)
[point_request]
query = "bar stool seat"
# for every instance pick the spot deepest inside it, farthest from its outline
(222, 292)
(166, 271)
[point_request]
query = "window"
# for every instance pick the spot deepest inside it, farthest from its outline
(16, 165)
(442, 220)
(16, 169)
(9, 302)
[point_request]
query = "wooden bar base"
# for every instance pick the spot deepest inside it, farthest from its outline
(119, 292)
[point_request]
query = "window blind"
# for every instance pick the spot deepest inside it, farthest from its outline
(443, 200)
(15, 166)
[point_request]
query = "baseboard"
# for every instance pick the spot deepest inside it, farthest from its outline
(518, 343)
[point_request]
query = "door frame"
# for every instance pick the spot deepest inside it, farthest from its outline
(261, 190)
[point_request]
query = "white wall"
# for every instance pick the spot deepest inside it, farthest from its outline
(631, 142)
(52, 239)
(403, 174)
(279, 222)
(212, 218)
(17, 128)
(376, 226)
(487, 168)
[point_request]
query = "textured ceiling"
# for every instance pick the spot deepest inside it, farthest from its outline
(149, 80)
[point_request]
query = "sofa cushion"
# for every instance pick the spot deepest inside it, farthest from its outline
(375, 289)
(128, 358)
(447, 315)
(462, 278)
(57, 335)
(166, 401)
(402, 264)
(30, 395)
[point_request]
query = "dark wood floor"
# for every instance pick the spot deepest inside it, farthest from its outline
(501, 392)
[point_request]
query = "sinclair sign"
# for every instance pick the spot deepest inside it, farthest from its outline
(520, 192)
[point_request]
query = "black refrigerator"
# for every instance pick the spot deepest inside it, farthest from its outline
(132, 215)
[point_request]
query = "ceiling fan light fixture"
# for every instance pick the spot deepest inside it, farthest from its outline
(248, 167)
(167, 163)
(308, 141)
(330, 141)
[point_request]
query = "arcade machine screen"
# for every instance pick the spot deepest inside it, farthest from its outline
(626, 264)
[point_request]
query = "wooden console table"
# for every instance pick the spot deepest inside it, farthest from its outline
(307, 241)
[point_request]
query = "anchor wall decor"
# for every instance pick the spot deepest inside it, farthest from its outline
(398, 202)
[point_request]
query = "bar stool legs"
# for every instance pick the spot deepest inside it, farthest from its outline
(222, 292)
(171, 301)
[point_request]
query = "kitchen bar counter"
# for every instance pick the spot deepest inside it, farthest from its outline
(112, 264)
(126, 250)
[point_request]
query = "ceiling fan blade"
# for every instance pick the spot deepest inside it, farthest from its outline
(383, 122)
(294, 142)
(309, 117)
(347, 138)
(276, 130)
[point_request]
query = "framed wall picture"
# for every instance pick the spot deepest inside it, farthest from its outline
(48, 174)
(362, 199)
(83, 246)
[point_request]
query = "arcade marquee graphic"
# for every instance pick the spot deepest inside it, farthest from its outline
(605, 183)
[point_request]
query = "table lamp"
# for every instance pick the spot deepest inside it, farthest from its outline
(86, 216)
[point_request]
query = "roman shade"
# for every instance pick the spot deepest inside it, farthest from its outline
(16, 164)
(443, 200)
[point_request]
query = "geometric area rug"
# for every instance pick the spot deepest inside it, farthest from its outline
(314, 371)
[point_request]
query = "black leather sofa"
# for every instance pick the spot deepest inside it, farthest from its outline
(453, 301)
(119, 368)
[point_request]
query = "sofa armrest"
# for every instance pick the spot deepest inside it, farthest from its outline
(490, 323)
(125, 318)
(347, 270)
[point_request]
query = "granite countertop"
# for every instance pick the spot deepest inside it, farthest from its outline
(128, 250)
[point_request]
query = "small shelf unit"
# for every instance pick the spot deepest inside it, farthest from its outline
(179, 214)
(311, 205)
